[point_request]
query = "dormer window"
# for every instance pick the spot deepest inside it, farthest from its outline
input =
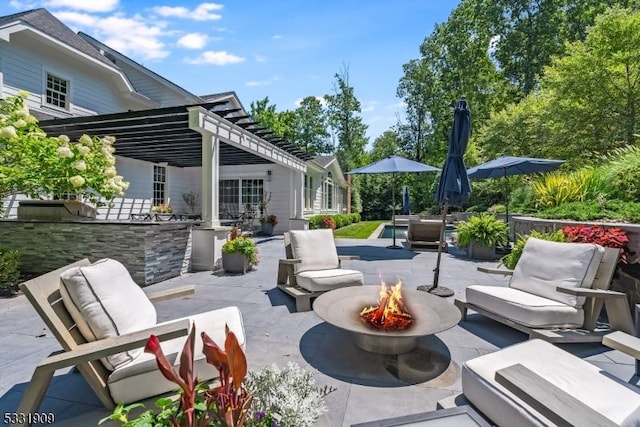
(57, 93)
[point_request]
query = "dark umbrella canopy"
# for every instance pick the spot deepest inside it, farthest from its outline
(406, 202)
(454, 184)
(507, 166)
(394, 164)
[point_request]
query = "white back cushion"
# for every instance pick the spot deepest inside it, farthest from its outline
(545, 265)
(316, 249)
(105, 302)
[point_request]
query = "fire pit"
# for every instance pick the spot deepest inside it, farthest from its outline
(342, 307)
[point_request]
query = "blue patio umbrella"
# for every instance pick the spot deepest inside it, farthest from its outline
(453, 187)
(393, 165)
(509, 165)
(406, 202)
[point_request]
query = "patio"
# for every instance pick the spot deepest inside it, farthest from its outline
(369, 386)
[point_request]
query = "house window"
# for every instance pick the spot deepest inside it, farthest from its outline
(330, 192)
(308, 192)
(239, 195)
(159, 184)
(57, 93)
(252, 191)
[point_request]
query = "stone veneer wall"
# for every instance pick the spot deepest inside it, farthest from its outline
(627, 278)
(151, 251)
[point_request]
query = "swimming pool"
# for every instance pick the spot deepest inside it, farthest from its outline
(401, 231)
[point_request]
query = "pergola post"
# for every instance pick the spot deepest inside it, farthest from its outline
(210, 177)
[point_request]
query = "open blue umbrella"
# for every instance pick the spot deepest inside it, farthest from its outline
(393, 165)
(453, 187)
(509, 165)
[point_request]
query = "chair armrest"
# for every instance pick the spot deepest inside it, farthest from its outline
(623, 342)
(503, 271)
(290, 261)
(348, 257)
(594, 293)
(108, 346)
(182, 291)
(543, 396)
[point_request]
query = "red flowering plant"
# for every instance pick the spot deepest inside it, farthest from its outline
(327, 222)
(611, 237)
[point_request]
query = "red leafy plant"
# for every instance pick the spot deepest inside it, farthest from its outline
(226, 405)
(610, 237)
(327, 222)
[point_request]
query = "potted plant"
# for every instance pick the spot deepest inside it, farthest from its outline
(192, 200)
(162, 212)
(239, 253)
(267, 224)
(480, 234)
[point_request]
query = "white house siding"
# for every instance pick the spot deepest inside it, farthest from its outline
(92, 90)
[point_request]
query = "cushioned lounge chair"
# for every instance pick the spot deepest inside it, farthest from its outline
(424, 234)
(102, 320)
(313, 266)
(556, 292)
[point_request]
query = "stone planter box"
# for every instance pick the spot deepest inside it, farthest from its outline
(477, 250)
(235, 263)
(55, 210)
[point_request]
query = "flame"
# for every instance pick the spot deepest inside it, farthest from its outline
(390, 313)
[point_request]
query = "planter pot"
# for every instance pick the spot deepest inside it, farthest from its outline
(477, 250)
(55, 210)
(235, 262)
(266, 229)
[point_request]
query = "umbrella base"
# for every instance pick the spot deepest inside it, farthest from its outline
(394, 247)
(440, 291)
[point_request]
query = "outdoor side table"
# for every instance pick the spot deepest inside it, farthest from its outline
(460, 416)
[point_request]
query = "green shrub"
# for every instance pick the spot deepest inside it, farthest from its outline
(511, 259)
(338, 220)
(496, 209)
(557, 188)
(613, 210)
(245, 245)
(483, 228)
(9, 272)
(623, 171)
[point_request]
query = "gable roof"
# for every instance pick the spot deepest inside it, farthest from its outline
(324, 161)
(43, 21)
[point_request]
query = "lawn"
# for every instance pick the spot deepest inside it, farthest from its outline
(359, 230)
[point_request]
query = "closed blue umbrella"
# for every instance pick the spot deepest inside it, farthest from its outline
(406, 202)
(393, 165)
(453, 187)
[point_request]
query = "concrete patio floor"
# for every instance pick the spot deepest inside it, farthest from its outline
(369, 386)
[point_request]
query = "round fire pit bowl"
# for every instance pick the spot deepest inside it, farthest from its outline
(342, 307)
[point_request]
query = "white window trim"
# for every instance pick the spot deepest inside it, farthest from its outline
(43, 100)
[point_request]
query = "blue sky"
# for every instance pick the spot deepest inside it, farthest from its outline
(283, 49)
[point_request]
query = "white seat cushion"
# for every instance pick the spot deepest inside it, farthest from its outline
(545, 265)
(326, 280)
(315, 248)
(105, 302)
(133, 381)
(616, 400)
(524, 308)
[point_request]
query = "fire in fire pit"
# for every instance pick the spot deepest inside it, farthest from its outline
(390, 313)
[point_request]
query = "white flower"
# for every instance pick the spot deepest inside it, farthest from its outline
(9, 132)
(117, 179)
(64, 139)
(20, 123)
(111, 161)
(65, 152)
(110, 139)
(110, 172)
(85, 139)
(77, 181)
(80, 165)
(124, 185)
(23, 94)
(23, 112)
(83, 149)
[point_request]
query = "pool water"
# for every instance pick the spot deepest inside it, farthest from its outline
(401, 231)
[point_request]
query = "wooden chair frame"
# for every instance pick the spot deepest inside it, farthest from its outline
(43, 293)
(596, 296)
(425, 235)
(286, 273)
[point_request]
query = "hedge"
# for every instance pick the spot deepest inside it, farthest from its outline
(340, 220)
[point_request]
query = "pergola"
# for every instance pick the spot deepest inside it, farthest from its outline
(206, 135)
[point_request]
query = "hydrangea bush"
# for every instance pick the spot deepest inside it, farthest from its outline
(38, 165)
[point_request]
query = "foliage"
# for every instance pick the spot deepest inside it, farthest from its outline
(192, 200)
(511, 259)
(609, 237)
(327, 222)
(310, 127)
(483, 228)
(339, 220)
(264, 204)
(288, 394)
(270, 219)
(242, 244)
(592, 211)
(360, 230)
(162, 209)
(9, 272)
(198, 405)
(622, 170)
(281, 123)
(36, 164)
(555, 188)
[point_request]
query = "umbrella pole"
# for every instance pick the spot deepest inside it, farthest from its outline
(393, 212)
(440, 291)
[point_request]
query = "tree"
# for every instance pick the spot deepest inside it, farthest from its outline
(310, 131)
(281, 123)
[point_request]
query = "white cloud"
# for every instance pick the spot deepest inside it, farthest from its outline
(127, 35)
(262, 82)
(260, 58)
(221, 58)
(202, 12)
(86, 5)
(369, 106)
(323, 101)
(23, 5)
(276, 36)
(398, 105)
(193, 41)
